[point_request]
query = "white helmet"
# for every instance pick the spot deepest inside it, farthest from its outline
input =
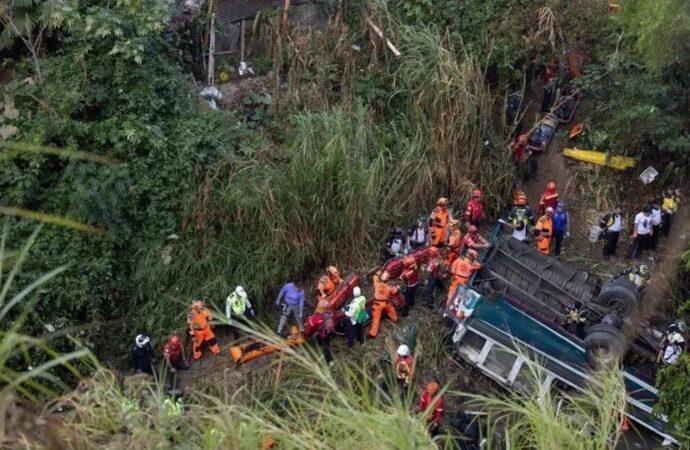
(239, 290)
(403, 350)
(356, 291)
(142, 340)
(676, 338)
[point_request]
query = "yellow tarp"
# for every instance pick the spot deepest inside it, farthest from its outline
(601, 158)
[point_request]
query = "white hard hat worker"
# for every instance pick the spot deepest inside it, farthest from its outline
(356, 291)
(141, 340)
(403, 350)
(239, 290)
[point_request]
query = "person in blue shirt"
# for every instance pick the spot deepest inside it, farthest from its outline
(561, 226)
(292, 295)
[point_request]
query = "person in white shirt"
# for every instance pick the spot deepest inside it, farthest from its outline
(642, 230)
(611, 225)
(656, 223)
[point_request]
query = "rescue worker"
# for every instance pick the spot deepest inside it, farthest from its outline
(434, 279)
(418, 234)
(576, 318)
(438, 222)
(382, 302)
(655, 205)
(411, 279)
(549, 198)
(518, 150)
(642, 231)
(173, 352)
(455, 242)
(520, 217)
(561, 227)
(474, 210)
(462, 271)
(142, 358)
(239, 308)
(357, 314)
(404, 368)
(329, 282)
(669, 206)
(544, 230)
(611, 225)
(292, 295)
(325, 330)
(432, 403)
(199, 321)
(394, 245)
(473, 240)
(672, 348)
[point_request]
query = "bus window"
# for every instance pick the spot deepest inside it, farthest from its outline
(500, 361)
(471, 345)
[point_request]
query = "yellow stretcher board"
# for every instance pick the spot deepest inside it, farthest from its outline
(600, 158)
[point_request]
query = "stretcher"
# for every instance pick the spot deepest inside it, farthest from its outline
(254, 348)
(540, 136)
(600, 158)
(567, 103)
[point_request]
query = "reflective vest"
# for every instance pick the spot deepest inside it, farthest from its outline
(199, 320)
(238, 304)
(474, 210)
(462, 269)
(545, 227)
(382, 292)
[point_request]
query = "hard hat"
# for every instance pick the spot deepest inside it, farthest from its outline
(239, 290)
(332, 271)
(442, 201)
(403, 350)
(472, 252)
(549, 210)
(175, 339)
(676, 338)
(642, 269)
(476, 193)
(551, 186)
(197, 304)
(521, 199)
(141, 340)
(268, 443)
(384, 276)
(432, 388)
(681, 326)
(356, 291)
(473, 229)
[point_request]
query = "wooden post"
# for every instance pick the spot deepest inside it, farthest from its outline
(242, 41)
(211, 50)
(286, 10)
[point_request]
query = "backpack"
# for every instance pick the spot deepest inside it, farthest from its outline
(362, 316)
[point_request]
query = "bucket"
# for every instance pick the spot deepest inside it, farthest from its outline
(594, 233)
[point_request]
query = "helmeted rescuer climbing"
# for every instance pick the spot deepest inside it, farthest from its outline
(292, 296)
(549, 198)
(461, 270)
(173, 352)
(199, 321)
(411, 279)
(142, 358)
(329, 283)
(520, 217)
(455, 242)
(382, 302)
(611, 225)
(544, 230)
(431, 403)
(438, 222)
(404, 368)
(357, 314)
(238, 309)
(474, 210)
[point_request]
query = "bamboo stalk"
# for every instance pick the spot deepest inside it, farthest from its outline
(378, 31)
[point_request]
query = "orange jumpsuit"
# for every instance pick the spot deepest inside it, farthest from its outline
(438, 221)
(461, 270)
(328, 284)
(454, 247)
(382, 303)
(200, 329)
(545, 229)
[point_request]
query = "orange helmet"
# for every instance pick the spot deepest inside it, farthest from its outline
(473, 229)
(521, 199)
(432, 388)
(522, 139)
(476, 193)
(268, 443)
(175, 339)
(333, 271)
(551, 187)
(442, 201)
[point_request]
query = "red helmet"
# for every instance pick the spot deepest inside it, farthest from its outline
(476, 193)
(432, 388)
(175, 340)
(473, 229)
(551, 187)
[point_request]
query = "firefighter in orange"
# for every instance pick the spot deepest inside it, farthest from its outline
(438, 221)
(544, 231)
(462, 269)
(549, 198)
(329, 282)
(454, 242)
(199, 320)
(382, 302)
